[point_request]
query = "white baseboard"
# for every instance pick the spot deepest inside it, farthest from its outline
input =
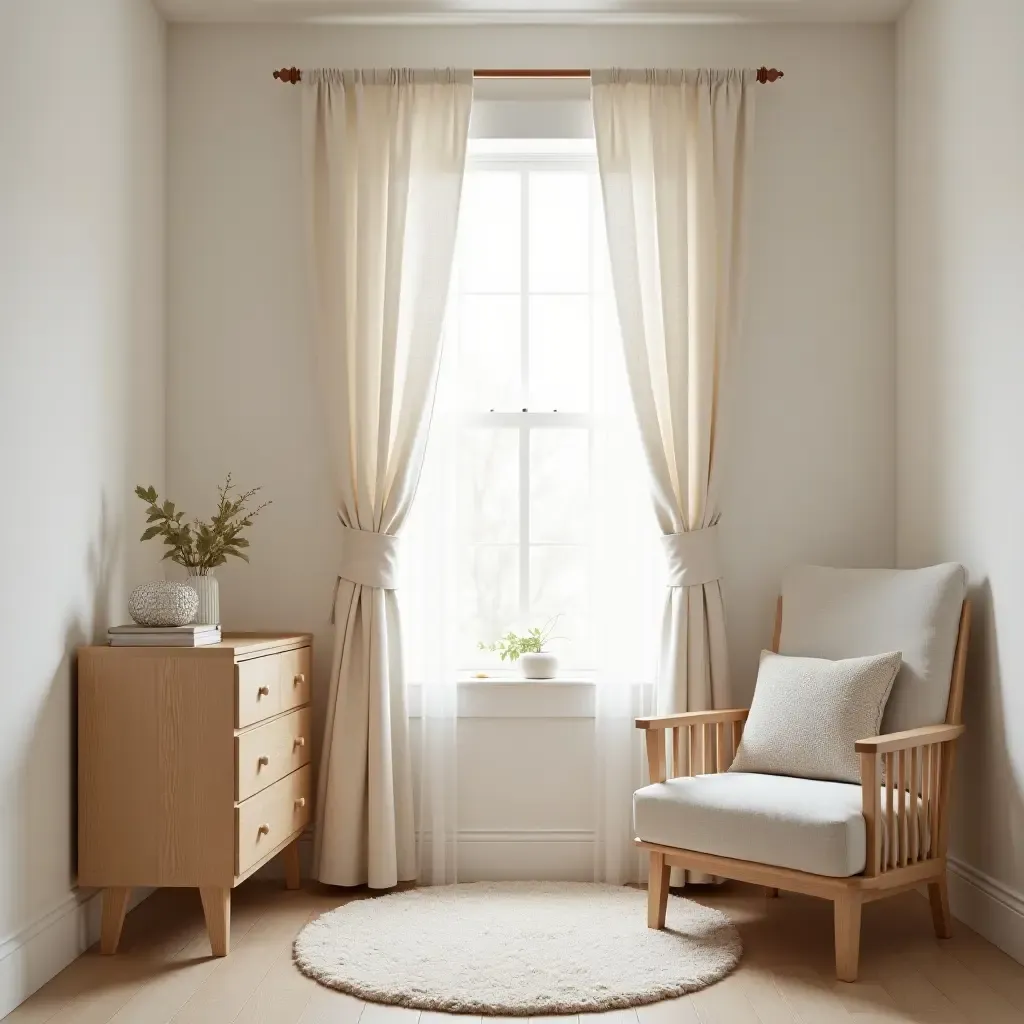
(34, 955)
(992, 909)
(497, 856)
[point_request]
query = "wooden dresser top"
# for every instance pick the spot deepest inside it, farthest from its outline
(236, 645)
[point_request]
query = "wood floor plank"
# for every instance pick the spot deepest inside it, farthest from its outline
(326, 1006)
(234, 978)
(669, 1011)
(378, 1013)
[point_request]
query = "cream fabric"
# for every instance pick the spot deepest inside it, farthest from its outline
(673, 152)
(368, 558)
(805, 824)
(693, 557)
(845, 613)
(807, 714)
(384, 154)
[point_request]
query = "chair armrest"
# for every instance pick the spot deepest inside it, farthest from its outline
(685, 718)
(702, 742)
(906, 740)
(905, 809)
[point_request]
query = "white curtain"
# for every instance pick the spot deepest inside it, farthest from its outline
(384, 155)
(674, 152)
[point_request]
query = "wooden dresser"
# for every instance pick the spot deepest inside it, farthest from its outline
(193, 768)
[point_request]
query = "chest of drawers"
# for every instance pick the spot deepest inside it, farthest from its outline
(193, 769)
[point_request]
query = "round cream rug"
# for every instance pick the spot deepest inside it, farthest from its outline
(517, 948)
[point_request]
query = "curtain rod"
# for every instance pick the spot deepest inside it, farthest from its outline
(293, 75)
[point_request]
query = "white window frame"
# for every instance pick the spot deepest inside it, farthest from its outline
(523, 163)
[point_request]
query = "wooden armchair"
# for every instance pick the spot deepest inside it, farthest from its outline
(848, 844)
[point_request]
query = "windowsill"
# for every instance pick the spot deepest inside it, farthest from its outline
(510, 696)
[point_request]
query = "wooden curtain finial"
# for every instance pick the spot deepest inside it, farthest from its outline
(768, 74)
(294, 75)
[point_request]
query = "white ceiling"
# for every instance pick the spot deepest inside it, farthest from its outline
(483, 12)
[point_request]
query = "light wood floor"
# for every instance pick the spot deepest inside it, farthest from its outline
(165, 973)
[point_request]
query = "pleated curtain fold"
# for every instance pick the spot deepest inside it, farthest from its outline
(674, 154)
(384, 158)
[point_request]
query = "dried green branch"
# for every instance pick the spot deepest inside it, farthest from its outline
(201, 546)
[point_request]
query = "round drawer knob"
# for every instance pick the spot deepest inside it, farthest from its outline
(263, 761)
(299, 679)
(301, 802)
(264, 691)
(263, 830)
(300, 741)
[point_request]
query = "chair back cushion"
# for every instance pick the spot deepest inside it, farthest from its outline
(849, 613)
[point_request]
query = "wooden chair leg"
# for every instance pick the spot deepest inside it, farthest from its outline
(938, 896)
(217, 911)
(847, 926)
(657, 891)
(115, 903)
(292, 876)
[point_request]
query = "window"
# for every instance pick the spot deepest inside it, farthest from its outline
(531, 378)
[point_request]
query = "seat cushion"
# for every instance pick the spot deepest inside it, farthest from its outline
(849, 613)
(804, 824)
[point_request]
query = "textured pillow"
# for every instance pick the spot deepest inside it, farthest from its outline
(807, 713)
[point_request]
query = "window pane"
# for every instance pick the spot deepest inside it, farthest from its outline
(559, 353)
(560, 585)
(490, 377)
(559, 232)
(488, 599)
(489, 225)
(559, 485)
(489, 473)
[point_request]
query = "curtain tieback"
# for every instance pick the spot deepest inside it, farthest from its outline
(692, 557)
(369, 559)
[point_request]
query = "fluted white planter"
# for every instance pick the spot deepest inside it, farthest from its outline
(208, 612)
(538, 666)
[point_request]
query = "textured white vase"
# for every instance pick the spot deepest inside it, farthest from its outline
(163, 603)
(208, 612)
(538, 666)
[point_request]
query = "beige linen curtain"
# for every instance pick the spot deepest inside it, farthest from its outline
(384, 157)
(673, 151)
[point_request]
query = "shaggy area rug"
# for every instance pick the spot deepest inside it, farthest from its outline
(517, 948)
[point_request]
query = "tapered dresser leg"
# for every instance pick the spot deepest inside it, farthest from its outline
(938, 896)
(217, 910)
(657, 891)
(115, 903)
(290, 853)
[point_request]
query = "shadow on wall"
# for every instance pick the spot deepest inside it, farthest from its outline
(46, 817)
(989, 803)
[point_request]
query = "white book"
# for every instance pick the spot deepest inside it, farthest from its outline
(192, 627)
(181, 640)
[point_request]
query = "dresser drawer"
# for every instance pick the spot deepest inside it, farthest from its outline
(269, 685)
(270, 752)
(271, 817)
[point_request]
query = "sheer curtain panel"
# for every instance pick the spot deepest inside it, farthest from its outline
(673, 152)
(384, 157)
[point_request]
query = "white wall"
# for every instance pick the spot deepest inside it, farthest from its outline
(960, 415)
(81, 413)
(813, 465)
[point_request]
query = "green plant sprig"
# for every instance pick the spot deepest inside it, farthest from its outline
(201, 546)
(511, 645)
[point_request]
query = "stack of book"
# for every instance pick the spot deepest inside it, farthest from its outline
(163, 636)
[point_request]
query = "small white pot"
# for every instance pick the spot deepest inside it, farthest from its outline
(208, 611)
(538, 666)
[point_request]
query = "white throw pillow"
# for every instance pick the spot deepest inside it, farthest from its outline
(807, 713)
